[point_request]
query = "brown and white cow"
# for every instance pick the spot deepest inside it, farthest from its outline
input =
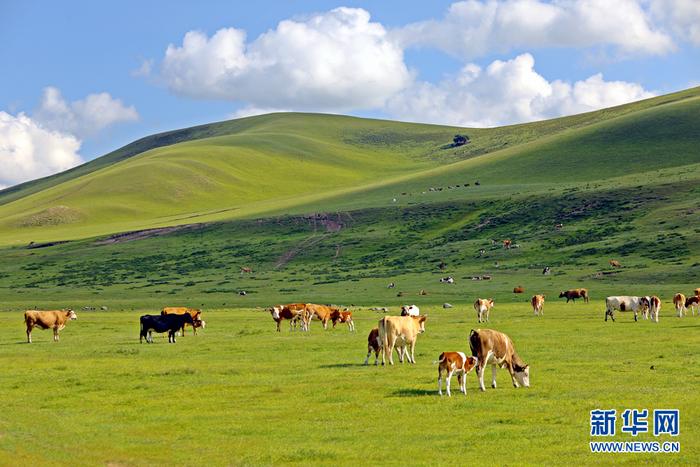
(496, 349)
(54, 319)
(400, 331)
(573, 294)
(693, 303)
(652, 307)
(292, 311)
(623, 303)
(455, 362)
(195, 313)
(679, 304)
(483, 306)
(537, 302)
(345, 316)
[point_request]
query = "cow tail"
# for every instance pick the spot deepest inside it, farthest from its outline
(440, 359)
(383, 335)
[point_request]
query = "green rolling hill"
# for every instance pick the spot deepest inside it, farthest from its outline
(336, 205)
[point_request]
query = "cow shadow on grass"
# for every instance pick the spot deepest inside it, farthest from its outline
(343, 365)
(413, 392)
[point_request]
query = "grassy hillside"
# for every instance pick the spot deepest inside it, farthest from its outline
(305, 162)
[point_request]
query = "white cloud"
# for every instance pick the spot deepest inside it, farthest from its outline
(28, 151)
(681, 16)
(507, 92)
(144, 70)
(338, 60)
(476, 28)
(84, 117)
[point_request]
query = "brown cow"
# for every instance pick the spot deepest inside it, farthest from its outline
(697, 292)
(495, 348)
(319, 312)
(519, 289)
(615, 263)
(294, 312)
(573, 294)
(483, 308)
(507, 244)
(54, 319)
(400, 331)
(195, 313)
(693, 303)
(537, 302)
(679, 303)
(455, 362)
(344, 316)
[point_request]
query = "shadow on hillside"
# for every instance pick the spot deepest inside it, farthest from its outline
(412, 392)
(342, 365)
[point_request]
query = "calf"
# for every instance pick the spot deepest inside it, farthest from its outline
(400, 331)
(410, 310)
(162, 323)
(483, 308)
(455, 362)
(374, 344)
(693, 303)
(679, 303)
(293, 312)
(623, 303)
(573, 294)
(537, 302)
(652, 307)
(495, 348)
(344, 316)
(54, 319)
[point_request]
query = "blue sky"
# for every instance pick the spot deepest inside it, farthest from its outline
(82, 78)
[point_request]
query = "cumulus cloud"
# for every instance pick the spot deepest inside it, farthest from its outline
(84, 117)
(680, 16)
(29, 151)
(474, 28)
(507, 92)
(338, 60)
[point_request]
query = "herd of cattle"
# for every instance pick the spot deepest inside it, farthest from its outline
(395, 333)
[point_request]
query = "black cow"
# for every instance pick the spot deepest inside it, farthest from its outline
(163, 323)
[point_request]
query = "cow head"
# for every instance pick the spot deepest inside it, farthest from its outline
(470, 363)
(491, 302)
(522, 374)
(275, 312)
(421, 323)
(71, 314)
(199, 323)
(562, 295)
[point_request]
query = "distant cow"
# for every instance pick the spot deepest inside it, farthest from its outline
(679, 304)
(400, 331)
(447, 280)
(410, 310)
(292, 311)
(573, 294)
(54, 319)
(507, 244)
(162, 323)
(495, 348)
(455, 362)
(519, 289)
(196, 314)
(546, 271)
(246, 270)
(693, 303)
(483, 306)
(652, 305)
(391, 285)
(537, 302)
(623, 303)
(344, 316)
(696, 292)
(615, 263)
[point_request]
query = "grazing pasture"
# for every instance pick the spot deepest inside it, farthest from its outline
(241, 393)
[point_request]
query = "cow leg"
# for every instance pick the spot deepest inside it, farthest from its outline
(493, 376)
(376, 357)
(439, 380)
(480, 374)
(55, 334)
(635, 316)
(488, 313)
(278, 325)
(449, 378)
(29, 335)
(413, 352)
(369, 352)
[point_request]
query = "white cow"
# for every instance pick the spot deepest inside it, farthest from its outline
(410, 310)
(623, 303)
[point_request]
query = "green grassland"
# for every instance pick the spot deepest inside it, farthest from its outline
(240, 393)
(329, 209)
